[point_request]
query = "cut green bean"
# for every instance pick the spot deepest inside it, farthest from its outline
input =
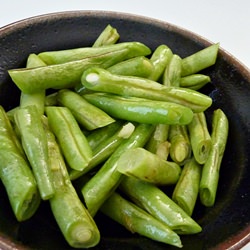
(194, 81)
(200, 138)
(160, 59)
(103, 151)
(137, 66)
(107, 179)
(180, 149)
(138, 221)
(141, 110)
(125, 51)
(98, 136)
(88, 115)
(72, 141)
(157, 203)
(187, 188)
(34, 142)
(101, 80)
(73, 219)
(149, 167)
(200, 60)
(108, 36)
(37, 98)
(211, 169)
(172, 73)
(15, 173)
(68, 75)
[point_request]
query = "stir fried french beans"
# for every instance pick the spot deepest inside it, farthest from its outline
(118, 129)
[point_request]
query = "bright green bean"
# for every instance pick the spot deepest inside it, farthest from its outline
(200, 60)
(187, 188)
(137, 220)
(72, 141)
(200, 138)
(101, 80)
(15, 173)
(211, 169)
(88, 115)
(147, 166)
(141, 110)
(151, 198)
(33, 137)
(194, 81)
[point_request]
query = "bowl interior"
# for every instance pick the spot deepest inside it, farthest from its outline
(224, 225)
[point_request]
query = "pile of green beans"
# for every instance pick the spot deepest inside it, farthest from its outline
(123, 122)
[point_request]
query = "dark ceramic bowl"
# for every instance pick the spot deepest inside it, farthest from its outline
(226, 225)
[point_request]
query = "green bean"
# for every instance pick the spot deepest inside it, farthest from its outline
(141, 110)
(160, 59)
(37, 98)
(73, 219)
(147, 166)
(138, 221)
(108, 36)
(67, 75)
(34, 142)
(200, 60)
(137, 66)
(180, 149)
(187, 188)
(157, 203)
(172, 73)
(200, 138)
(125, 51)
(51, 99)
(15, 173)
(159, 136)
(107, 179)
(72, 141)
(211, 169)
(98, 79)
(98, 136)
(87, 115)
(194, 81)
(103, 151)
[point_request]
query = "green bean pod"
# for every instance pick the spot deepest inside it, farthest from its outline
(141, 110)
(194, 81)
(136, 66)
(138, 221)
(68, 74)
(172, 73)
(98, 136)
(200, 138)
(34, 142)
(211, 169)
(125, 50)
(37, 98)
(15, 173)
(160, 59)
(102, 152)
(88, 115)
(97, 79)
(180, 149)
(107, 179)
(147, 166)
(187, 188)
(200, 60)
(72, 141)
(152, 199)
(108, 36)
(73, 219)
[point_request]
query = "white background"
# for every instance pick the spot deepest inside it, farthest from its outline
(224, 21)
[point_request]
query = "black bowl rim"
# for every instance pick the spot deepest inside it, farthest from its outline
(237, 241)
